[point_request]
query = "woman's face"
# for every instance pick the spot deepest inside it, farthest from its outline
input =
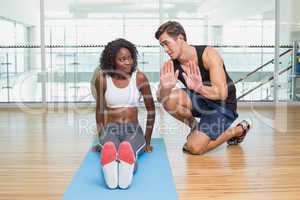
(124, 60)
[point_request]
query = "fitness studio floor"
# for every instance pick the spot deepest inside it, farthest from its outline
(40, 153)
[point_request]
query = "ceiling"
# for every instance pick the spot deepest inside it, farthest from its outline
(218, 12)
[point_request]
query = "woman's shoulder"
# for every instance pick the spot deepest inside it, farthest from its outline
(101, 77)
(141, 77)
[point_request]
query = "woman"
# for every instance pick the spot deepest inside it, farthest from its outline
(119, 85)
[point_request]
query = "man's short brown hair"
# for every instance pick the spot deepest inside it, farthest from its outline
(172, 28)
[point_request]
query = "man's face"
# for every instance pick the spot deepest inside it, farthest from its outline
(171, 46)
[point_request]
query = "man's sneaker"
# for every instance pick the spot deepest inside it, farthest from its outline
(236, 140)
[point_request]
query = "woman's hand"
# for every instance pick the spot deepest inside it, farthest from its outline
(148, 148)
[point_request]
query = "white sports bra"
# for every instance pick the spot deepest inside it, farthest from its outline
(122, 97)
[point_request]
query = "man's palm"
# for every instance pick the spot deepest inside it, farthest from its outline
(192, 76)
(168, 78)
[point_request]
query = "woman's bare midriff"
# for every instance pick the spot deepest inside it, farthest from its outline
(122, 115)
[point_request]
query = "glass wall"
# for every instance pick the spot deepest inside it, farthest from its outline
(76, 32)
(19, 58)
(18, 62)
(289, 81)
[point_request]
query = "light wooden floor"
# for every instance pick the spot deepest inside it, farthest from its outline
(40, 152)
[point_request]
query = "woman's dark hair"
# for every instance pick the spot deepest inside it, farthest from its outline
(172, 28)
(108, 56)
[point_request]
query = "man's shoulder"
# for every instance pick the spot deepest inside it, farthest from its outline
(210, 51)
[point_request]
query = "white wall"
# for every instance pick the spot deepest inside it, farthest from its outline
(24, 11)
(225, 11)
(289, 21)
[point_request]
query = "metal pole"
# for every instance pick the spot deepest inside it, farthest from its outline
(51, 69)
(15, 52)
(161, 51)
(276, 56)
(7, 78)
(43, 56)
(262, 54)
(65, 68)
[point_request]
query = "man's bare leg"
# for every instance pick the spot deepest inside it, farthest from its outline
(179, 105)
(225, 136)
(199, 143)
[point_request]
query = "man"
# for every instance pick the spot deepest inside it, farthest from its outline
(209, 93)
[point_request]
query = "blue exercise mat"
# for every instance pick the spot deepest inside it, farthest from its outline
(153, 179)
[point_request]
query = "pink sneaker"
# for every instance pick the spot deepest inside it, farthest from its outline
(126, 165)
(110, 164)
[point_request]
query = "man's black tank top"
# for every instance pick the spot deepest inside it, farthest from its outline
(230, 103)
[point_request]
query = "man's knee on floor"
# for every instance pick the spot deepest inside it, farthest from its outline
(195, 148)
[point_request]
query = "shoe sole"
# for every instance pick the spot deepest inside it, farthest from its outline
(110, 165)
(126, 166)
